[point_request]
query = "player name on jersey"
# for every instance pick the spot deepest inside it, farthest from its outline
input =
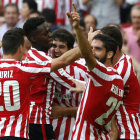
(6, 74)
(116, 90)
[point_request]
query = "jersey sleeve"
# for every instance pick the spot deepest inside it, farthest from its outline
(34, 68)
(124, 69)
(62, 78)
(101, 74)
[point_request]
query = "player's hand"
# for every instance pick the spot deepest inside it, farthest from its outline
(79, 86)
(126, 91)
(74, 17)
(57, 111)
(91, 34)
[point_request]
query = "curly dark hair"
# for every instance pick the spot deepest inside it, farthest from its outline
(31, 25)
(64, 36)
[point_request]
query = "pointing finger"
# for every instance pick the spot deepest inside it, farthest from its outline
(74, 7)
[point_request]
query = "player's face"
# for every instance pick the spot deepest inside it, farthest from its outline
(59, 48)
(43, 37)
(99, 50)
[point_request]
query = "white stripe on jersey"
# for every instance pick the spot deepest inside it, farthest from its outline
(27, 68)
(91, 132)
(35, 121)
(41, 115)
(127, 74)
(80, 115)
(18, 126)
(118, 115)
(2, 124)
(120, 68)
(83, 130)
(25, 129)
(136, 126)
(57, 78)
(128, 123)
(9, 126)
(105, 76)
(31, 108)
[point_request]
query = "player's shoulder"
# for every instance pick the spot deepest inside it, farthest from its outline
(109, 73)
(38, 55)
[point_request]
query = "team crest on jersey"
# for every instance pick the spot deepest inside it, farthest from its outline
(61, 71)
(40, 63)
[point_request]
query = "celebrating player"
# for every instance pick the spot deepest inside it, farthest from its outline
(127, 117)
(43, 88)
(65, 105)
(16, 82)
(104, 90)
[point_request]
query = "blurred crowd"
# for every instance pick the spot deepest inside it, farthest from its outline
(124, 14)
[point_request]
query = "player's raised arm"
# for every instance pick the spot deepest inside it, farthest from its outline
(83, 43)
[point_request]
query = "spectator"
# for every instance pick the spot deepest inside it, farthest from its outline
(90, 20)
(2, 20)
(50, 18)
(133, 33)
(105, 11)
(27, 7)
(11, 15)
(34, 14)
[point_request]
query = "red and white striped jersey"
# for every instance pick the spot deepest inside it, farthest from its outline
(127, 117)
(60, 7)
(18, 2)
(101, 99)
(63, 126)
(43, 88)
(15, 83)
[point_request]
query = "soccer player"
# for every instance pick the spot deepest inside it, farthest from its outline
(104, 90)
(15, 83)
(127, 117)
(65, 105)
(43, 88)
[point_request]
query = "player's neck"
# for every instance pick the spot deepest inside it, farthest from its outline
(117, 57)
(11, 57)
(39, 48)
(108, 63)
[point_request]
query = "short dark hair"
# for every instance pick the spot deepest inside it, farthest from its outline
(64, 36)
(31, 25)
(11, 40)
(49, 15)
(109, 43)
(115, 33)
(31, 3)
(12, 5)
(35, 12)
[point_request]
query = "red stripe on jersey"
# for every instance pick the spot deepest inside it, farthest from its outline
(43, 132)
(88, 131)
(67, 129)
(130, 107)
(78, 71)
(58, 128)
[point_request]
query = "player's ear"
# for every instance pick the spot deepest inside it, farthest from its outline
(20, 49)
(110, 54)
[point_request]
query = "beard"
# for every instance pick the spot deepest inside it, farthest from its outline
(102, 60)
